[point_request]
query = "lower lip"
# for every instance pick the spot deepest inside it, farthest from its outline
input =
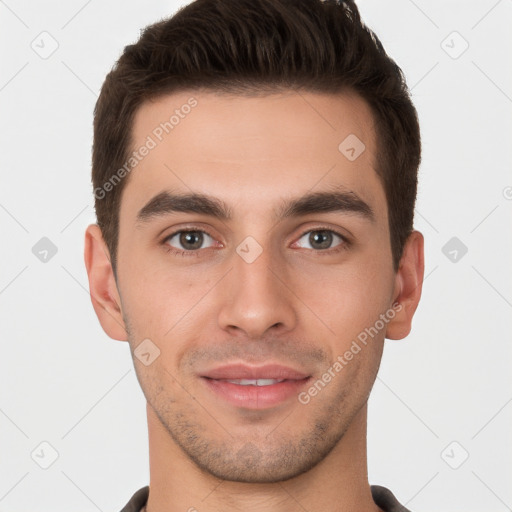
(256, 397)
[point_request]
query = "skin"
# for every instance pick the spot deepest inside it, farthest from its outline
(295, 304)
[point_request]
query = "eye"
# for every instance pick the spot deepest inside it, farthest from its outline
(322, 240)
(189, 241)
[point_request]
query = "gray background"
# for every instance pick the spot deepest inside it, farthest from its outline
(440, 413)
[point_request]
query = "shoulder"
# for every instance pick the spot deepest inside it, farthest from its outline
(137, 501)
(386, 500)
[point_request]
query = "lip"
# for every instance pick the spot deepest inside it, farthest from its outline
(242, 371)
(251, 396)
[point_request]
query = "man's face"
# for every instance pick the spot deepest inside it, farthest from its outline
(260, 288)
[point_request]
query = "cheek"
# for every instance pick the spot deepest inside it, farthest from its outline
(347, 298)
(158, 295)
(171, 309)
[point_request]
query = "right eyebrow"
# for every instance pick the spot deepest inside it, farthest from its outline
(166, 203)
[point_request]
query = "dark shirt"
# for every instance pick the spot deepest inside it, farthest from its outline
(382, 497)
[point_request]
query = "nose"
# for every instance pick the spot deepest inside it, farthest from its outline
(257, 298)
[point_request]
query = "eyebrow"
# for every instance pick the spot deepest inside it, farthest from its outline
(166, 203)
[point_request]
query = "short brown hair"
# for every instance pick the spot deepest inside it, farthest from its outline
(257, 47)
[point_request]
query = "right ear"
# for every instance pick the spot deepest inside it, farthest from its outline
(102, 284)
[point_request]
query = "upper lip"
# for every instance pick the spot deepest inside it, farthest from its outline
(243, 371)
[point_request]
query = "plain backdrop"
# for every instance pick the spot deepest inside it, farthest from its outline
(440, 414)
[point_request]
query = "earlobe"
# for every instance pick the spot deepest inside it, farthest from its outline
(408, 286)
(102, 285)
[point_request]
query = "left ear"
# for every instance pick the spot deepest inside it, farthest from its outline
(408, 285)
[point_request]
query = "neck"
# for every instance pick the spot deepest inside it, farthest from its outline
(338, 483)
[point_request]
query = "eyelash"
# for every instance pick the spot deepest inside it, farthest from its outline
(177, 252)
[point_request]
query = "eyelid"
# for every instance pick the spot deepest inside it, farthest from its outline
(189, 229)
(326, 228)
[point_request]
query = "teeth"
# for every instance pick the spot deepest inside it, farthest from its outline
(255, 382)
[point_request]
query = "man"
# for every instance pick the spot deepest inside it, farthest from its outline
(255, 169)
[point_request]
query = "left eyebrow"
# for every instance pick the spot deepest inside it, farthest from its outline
(324, 202)
(167, 203)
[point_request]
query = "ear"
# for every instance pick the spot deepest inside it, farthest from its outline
(102, 285)
(408, 285)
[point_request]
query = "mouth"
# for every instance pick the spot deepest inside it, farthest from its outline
(252, 387)
(255, 382)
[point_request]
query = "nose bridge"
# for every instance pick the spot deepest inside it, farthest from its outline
(256, 296)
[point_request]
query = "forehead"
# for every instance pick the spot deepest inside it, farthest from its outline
(238, 148)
